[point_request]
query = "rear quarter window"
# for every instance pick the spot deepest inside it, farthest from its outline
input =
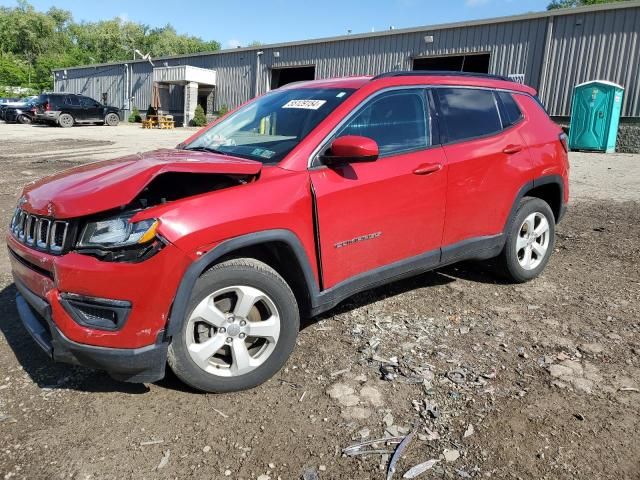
(511, 113)
(468, 113)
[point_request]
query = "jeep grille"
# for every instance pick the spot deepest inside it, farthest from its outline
(39, 232)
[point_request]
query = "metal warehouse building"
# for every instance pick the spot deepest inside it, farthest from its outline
(552, 51)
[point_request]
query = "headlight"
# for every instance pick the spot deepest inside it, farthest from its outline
(118, 232)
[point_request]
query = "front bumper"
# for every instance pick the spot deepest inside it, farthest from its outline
(148, 286)
(135, 347)
(139, 365)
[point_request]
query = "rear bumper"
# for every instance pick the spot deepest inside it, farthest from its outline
(48, 116)
(138, 365)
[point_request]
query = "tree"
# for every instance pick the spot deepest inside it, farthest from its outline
(32, 43)
(12, 70)
(135, 116)
(199, 117)
(555, 4)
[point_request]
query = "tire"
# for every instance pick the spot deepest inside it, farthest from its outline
(273, 319)
(65, 120)
(24, 120)
(112, 120)
(525, 255)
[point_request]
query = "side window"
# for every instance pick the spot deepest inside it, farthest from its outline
(396, 120)
(468, 113)
(511, 113)
(72, 100)
(88, 102)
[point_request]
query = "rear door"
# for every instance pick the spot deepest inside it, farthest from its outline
(374, 214)
(488, 161)
(71, 105)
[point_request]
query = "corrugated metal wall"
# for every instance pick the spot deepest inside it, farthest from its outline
(515, 47)
(601, 45)
(93, 82)
(583, 46)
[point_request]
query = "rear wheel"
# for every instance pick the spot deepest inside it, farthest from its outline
(240, 329)
(530, 240)
(24, 119)
(65, 120)
(112, 119)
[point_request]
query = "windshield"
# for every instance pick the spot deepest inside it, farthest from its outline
(267, 129)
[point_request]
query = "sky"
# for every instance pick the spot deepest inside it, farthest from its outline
(237, 23)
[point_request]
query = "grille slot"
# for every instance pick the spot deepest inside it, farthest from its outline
(39, 232)
(42, 236)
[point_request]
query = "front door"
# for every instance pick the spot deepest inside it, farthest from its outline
(91, 110)
(376, 213)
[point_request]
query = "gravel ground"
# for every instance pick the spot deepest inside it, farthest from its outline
(505, 381)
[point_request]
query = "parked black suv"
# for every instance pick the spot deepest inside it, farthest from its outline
(67, 109)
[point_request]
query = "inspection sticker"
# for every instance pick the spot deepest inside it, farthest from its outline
(305, 104)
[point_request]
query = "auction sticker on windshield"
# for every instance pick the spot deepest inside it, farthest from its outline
(305, 104)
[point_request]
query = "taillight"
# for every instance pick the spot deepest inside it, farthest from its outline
(564, 141)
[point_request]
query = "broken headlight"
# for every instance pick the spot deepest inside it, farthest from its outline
(117, 232)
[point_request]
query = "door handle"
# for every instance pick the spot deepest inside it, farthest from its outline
(427, 168)
(511, 149)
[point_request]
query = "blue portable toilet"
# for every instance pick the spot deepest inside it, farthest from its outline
(595, 116)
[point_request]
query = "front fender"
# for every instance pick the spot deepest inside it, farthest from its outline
(197, 268)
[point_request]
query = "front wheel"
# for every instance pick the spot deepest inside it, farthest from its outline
(240, 329)
(530, 240)
(112, 120)
(24, 119)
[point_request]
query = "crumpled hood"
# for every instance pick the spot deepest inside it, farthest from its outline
(105, 185)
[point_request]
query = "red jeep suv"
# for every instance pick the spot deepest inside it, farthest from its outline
(206, 256)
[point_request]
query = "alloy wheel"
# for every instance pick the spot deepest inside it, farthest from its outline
(533, 239)
(233, 331)
(65, 120)
(112, 120)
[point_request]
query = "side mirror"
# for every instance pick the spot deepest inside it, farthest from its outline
(350, 149)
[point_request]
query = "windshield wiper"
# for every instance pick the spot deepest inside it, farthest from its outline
(208, 149)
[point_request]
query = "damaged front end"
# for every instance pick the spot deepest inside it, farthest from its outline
(120, 236)
(106, 202)
(95, 276)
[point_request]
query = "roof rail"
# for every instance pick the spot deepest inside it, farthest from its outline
(439, 73)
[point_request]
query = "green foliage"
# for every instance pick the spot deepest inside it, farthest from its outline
(199, 117)
(17, 92)
(224, 109)
(555, 4)
(32, 43)
(13, 71)
(135, 116)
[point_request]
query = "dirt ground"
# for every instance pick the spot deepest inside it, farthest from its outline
(534, 381)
